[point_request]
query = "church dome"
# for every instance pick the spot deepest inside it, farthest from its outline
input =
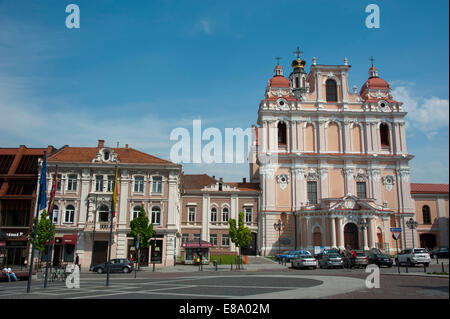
(279, 81)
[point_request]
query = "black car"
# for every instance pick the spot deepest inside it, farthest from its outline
(380, 260)
(117, 265)
(439, 252)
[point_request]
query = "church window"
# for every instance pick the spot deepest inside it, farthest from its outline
(312, 192)
(426, 215)
(384, 135)
(331, 90)
(282, 134)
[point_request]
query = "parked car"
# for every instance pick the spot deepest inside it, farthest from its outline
(295, 254)
(413, 256)
(380, 260)
(331, 260)
(361, 260)
(439, 252)
(304, 261)
(117, 265)
(283, 254)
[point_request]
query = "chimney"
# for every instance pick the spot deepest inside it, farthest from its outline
(214, 177)
(126, 145)
(221, 179)
(244, 180)
(101, 143)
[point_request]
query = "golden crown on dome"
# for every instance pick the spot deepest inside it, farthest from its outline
(298, 63)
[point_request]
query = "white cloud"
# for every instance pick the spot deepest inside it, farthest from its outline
(426, 114)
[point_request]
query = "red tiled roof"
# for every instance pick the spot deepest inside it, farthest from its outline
(87, 154)
(197, 181)
(418, 188)
(279, 81)
(249, 187)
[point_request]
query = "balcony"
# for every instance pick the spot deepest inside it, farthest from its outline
(99, 226)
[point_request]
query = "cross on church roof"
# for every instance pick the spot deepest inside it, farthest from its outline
(278, 60)
(371, 59)
(298, 52)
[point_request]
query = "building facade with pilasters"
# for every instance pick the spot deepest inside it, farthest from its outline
(82, 206)
(332, 164)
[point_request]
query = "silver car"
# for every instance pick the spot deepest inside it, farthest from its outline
(304, 261)
(331, 261)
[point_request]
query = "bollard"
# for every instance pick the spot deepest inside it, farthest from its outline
(153, 267)
(231, 265)
(406, 267)
(216, 265)
(443, 270)
(437, 260)
(398, 266)
(425, 268)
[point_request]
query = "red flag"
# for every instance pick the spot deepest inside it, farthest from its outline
(52, 194)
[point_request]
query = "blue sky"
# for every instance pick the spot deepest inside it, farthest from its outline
(136, 70)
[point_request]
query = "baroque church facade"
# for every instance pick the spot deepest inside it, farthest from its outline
(333, 165)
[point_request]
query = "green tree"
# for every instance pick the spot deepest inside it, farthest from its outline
(142, 226)
(42, 232)
(240, 236)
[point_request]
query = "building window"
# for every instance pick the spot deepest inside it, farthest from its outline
(384, 135)
(331, 90)
(106, 156)
(99, 183)
(191, 214)
(156, 215)
(157, 184)
(55, 214)
(248, 214)
(213, 239)
(426, 215)
(225, 214)
(214, 214)
(103, 213)
(110, 187)
(139, 184)
(361, 189)
(136, 211)
(70, 214)
(312, 192)
(72, 182)
(58, 182)
(225, 240)
(296, 82)
(184, 238)
(196, 237)
(220, 187)
(282, 133)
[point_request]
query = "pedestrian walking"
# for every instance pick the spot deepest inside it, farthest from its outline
(77, 261)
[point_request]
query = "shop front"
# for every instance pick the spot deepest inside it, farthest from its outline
(63, 249)
(14, 248)
(194, 250)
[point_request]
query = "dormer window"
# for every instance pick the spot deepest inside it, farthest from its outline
(106, 156)
(220, 187)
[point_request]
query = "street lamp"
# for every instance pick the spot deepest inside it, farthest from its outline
(363, 226)
(412, 224)
(278, 226)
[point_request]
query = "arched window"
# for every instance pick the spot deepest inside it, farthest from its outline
(214, 214)
(70, 214)
(331, 90)
(426, 214)
(156, 215)
(225, 214)
(282, 133)
(103, 213)
(296, 82)
(136, 211)
(384, 135)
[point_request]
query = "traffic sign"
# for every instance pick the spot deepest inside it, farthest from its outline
(396, 235)
(396, 230)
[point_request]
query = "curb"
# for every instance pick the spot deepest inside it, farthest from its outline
(417, 275)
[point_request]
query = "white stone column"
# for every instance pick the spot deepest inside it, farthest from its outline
(365, 245)
(370, 232)
(83, 197)
(294, 136)
(349, 181)
(308, 233)
(403, 137)
(333, 231)
(123, 203)
(340, 233)
(347, 137)
(323, 171)
(321, 136)
(319, 87)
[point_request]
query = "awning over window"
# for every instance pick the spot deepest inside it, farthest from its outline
(69, 239)
(197, 244)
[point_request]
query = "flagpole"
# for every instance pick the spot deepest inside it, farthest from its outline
(113, 208)
(30, 272)
(50, 215)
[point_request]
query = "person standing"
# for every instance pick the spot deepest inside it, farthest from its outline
(77, 261)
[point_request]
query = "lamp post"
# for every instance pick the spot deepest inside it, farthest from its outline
(278, 226)
(363, 226)
(412, 224)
